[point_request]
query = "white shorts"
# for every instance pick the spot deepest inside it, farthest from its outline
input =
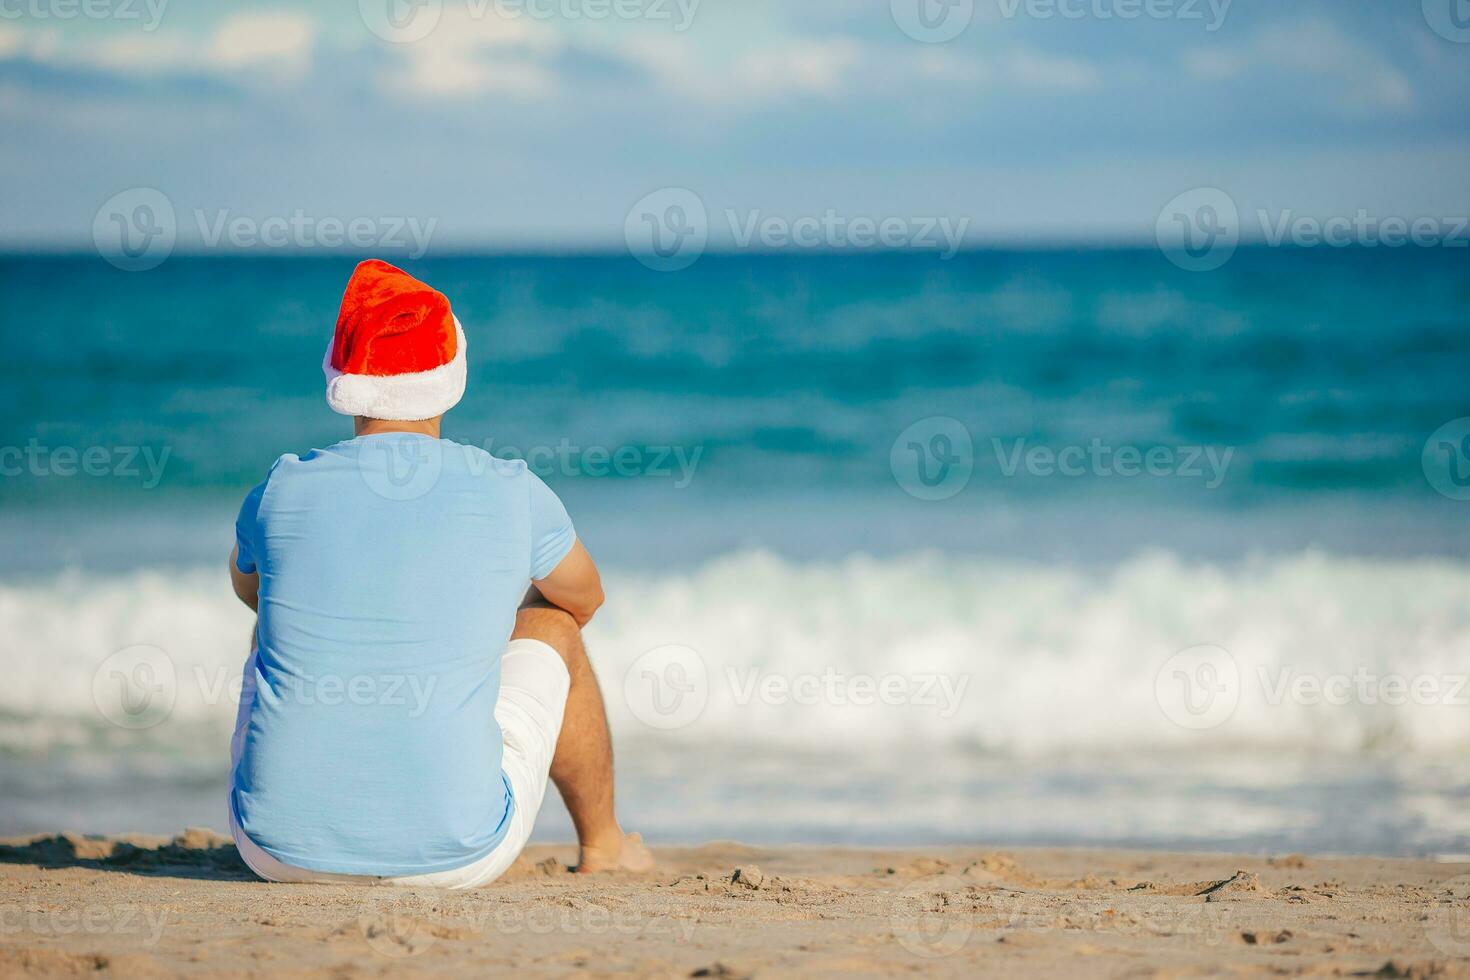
(533, 696)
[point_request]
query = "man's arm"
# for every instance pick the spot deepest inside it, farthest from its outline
(247, 587)
(573, 585)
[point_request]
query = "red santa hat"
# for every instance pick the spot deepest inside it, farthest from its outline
(398, 351)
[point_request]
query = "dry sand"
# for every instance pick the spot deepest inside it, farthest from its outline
(149, 907)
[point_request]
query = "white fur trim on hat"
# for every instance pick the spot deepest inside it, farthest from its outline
(398, 397)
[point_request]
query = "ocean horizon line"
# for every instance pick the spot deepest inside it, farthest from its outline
(47, 251)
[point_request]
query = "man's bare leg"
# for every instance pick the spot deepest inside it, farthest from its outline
(582, 767)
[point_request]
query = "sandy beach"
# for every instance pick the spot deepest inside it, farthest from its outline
(139, 906)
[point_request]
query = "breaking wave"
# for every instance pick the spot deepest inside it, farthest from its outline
(1302, 652)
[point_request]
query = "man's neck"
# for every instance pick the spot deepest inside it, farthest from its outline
(369, 427)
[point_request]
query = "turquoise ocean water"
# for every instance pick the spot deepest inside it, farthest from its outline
(876, 465)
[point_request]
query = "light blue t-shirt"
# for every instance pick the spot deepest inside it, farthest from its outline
(391, 567)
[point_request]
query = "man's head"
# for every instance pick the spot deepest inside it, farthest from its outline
(398, 353)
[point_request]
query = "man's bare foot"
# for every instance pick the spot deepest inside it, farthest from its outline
(626, 854)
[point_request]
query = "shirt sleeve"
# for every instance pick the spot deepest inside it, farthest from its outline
(552, 535)
(247, 530)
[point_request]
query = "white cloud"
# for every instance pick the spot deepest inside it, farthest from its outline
(38, 44)
(845, 67)
(471, 55)
(1215, 64)
(809, 67)
(279, 40)
(940, 64)
(249, 39)
(137, 54)
(1363, 78)
(1030, 68)
(766, 72)
(10, 41)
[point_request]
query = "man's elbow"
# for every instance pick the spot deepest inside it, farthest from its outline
(593, 602)
(248, 596)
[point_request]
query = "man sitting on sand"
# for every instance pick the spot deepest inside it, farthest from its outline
(407, 695)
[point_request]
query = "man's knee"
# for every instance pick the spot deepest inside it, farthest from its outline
(552, 626)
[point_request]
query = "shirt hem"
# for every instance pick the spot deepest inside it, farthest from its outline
(385, 870)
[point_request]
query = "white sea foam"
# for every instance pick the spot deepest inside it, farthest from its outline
(925, 649)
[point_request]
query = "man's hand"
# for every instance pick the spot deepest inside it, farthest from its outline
(247, 587)
(573, 585)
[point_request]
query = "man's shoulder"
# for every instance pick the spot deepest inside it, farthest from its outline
(478, 461)
(442, 457)
(289, 461)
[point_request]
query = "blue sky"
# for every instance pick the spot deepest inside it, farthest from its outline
(540, 128)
